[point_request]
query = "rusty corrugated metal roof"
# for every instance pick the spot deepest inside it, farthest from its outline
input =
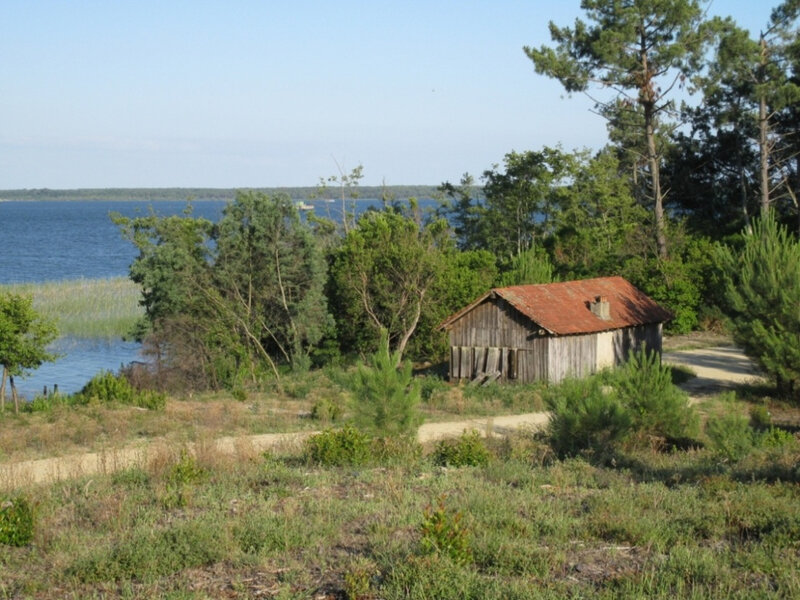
(565, 308)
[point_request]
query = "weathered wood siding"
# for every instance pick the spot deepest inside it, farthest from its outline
(493, 324)
(636, 338)
(571, 356)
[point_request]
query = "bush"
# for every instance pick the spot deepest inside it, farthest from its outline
(338, 447)
(385, 396)
(467, 450)
(16, 521)
(586, 418)
(107, 387)
(657, 407)
(731, 436)
(326, 410)
(444, 534)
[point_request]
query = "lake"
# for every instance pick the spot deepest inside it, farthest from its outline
(53, 241)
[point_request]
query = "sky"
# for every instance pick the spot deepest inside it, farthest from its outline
(269, 93)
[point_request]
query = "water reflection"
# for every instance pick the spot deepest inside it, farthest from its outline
(81, 359)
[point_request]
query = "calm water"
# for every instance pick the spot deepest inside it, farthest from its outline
(51, 241)
(47, 241)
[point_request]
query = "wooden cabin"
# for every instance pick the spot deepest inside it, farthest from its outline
(551, 331)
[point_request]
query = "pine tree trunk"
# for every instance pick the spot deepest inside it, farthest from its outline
(655, 180)
(14, 394)
(3, 390)
(763, 139)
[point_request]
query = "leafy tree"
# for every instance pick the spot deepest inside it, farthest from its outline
(762, 285)
(522, 199)
(464, 210)
(24, 337)
(224, 301)
(640, 49)
(530, 266)
(382, 275)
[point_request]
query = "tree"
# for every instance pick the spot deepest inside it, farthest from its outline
(464, 210)
(222, 301)
(640, 49)
(762, 289)
(381, 277)
(24, 337)
(522, 198)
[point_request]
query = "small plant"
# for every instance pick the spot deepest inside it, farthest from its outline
(338, 447)
(16, 521)
(775, 438)
(731, 436)
(760, 419)
(179, 478)
(385, 395)
(326, 410)
(444, 533)
(358, 579)
(469, 449)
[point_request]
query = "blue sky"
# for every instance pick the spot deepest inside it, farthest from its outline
(275, 93)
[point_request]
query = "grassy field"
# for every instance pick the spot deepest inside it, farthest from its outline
(86, 308)
(655, 525)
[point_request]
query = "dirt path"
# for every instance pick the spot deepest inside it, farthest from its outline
(717, 369)
(47, 470)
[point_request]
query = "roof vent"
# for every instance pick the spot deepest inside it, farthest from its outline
(601, 308)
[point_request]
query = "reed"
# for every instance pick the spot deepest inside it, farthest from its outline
(86, 308)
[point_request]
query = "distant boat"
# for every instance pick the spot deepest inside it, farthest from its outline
(304, 206)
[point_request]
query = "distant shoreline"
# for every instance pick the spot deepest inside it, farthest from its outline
(397, 192)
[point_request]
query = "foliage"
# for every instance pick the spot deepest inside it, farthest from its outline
(762, 292)
(637, 49)
(108, 387)
(386, 395)
(528, 267)
(467, 450)
(657, 407)
(326, 409)
(221, 301)
(24, 336)
(585, 417)
(338, 447)
(16, 521)
(382, 276)
(731, 436)
(444, 533)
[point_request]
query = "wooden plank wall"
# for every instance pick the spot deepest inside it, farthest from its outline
(571, 356)
(492, 324)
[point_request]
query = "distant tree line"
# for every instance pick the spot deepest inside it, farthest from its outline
(205, 194)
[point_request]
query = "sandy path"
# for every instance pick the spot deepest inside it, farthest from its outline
(717, 369)
(48, 470)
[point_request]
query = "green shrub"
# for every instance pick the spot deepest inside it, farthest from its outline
(469, 449)
(326, 410)
(443, 533)
(775, 437)
(337, 447)
(16, 521)
(657, 407)
(586, 418)
(760, 419)
(385, 395)
(731, 436)
(107, 387)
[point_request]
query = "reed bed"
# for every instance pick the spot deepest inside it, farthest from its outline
(86, 308)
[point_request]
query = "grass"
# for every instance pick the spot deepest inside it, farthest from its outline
(86, 308)
(662, 526)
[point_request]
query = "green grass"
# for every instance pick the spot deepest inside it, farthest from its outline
(86, 308)
(567, 529)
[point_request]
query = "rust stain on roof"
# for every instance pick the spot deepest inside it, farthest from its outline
(565, 308)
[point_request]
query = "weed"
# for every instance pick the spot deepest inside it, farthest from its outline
(326, 410)
(358, 579)
(16, 521)
(443, 533)
(469, 449)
